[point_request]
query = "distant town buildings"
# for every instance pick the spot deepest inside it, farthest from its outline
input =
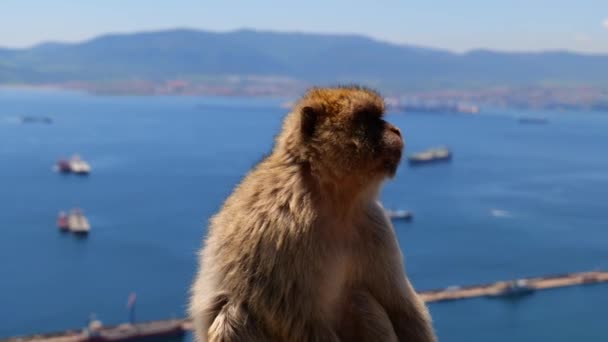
(550, 97)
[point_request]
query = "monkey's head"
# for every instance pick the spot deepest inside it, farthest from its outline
(341, 133)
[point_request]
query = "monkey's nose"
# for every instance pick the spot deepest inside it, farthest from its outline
(395, 130)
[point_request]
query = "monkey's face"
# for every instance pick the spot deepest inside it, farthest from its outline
(346, 130)
(374, 144)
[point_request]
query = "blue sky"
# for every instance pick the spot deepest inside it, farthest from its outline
(458, 25)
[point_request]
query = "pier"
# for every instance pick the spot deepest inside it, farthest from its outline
(162, 330)
(494, 289)
(176, 328)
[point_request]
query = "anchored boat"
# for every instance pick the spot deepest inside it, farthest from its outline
(62, 222)
(79, 166)
(440, 154)
(75, 165)
(404, 215)
(533, 120)
(63, 166)
(78, 223)
(515, 288)
(148, 331)
(36, 119)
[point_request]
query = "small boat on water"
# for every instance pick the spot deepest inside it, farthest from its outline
(62, 222)
(438, 108)
(433, 155)
(78, 223)
(75, 165)
(146, 331)
(404, 215)
(533, 121)
(167, 330)
(79, 166)
(514, 289)
(36, 119)
(63, 166)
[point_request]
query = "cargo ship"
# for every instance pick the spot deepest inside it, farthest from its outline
(440, 154)
(533, 121)
(78, 223)
(438, 108)
(75, 165)
(141, 332)
(514, 289)
(36, 119)
(62, 222)
(79, 166)
(63, 166)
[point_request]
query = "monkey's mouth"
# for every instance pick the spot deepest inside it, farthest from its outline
(391, 161)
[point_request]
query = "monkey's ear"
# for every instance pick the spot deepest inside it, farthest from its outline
(308, 121)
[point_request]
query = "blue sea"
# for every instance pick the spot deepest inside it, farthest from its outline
(516, 201)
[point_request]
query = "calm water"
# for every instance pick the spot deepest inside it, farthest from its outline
(162, 166)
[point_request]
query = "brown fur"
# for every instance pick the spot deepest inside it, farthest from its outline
(302, 250)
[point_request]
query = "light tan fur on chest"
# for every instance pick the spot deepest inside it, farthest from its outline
(340, 268)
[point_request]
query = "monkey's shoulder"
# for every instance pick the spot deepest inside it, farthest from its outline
(373, 216)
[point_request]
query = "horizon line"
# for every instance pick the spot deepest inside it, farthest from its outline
(338, 34)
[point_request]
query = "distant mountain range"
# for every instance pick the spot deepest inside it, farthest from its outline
(311, 58)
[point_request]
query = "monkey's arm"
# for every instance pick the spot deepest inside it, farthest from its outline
(365, 320)
(233, 324)
(409, 315)
(392, 288)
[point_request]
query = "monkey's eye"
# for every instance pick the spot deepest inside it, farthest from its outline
(368, 119)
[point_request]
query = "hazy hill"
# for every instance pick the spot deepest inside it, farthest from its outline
(308, 57)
